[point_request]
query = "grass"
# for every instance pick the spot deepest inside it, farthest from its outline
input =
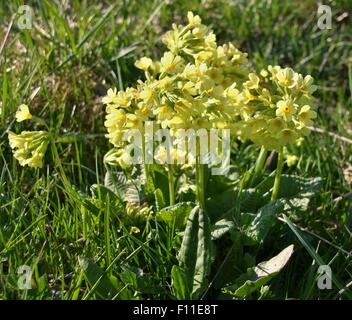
(62, 67)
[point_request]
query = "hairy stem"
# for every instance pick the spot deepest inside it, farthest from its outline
(171, 185)
(276, 187)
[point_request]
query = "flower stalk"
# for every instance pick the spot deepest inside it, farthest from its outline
(259, 164)
(280, 163)
(200, 184)
(171, 180)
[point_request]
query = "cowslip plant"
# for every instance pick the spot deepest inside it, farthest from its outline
(278, 110)
(197, 84)
(29, 147)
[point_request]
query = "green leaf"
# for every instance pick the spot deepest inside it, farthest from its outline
(261, 274)
(106, 287)
(116, 182)
(250, 200)
(220, 205)
(221, 227)
(195, 252)
(179, 283)
(103, 192)
(159, 199)
(263, 221)
(313, 254)
(291, 186)
(91, 207)
(176, 214)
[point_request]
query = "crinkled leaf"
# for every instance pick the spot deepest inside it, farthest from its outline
(221, 227)
(266, 216)
(261, 274)
(195, 252)
(176, 214)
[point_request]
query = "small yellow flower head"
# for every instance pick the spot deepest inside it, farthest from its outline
(29, 147)
(148, 94)
(285, 109)
(144, 63)
(111, 97)
(133, 121)
(283, 101)
(305, 85)
(193, 20)
(163, 113)
(135, 230)
(291, 160)
(23, 113)
(286, 136)
(275, 125)
(287, 77)
(253, 82)
(136, 214)
(170, 63)
(306, 115)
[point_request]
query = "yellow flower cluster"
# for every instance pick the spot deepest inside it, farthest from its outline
(23, 113)
(196, 84)
(29, 147)
(278, 107)
(199, 84)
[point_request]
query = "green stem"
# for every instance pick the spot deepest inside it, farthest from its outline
(276, 187)
(146, 167)
(259, 164)
(261, 161)
(200, 185)
(58, 163)
(107, 231)
(171, 185)
(84, 222)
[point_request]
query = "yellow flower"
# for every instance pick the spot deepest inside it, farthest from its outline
(123, 99)
(291, 160)
(204, 56)
(285, 109)
(165, 83)
(193, 20)
(287, 77)
(253, 82)
(111, 97)
(143, 111)
(189, 88)
(163, 113)
(306, 115)
(144, 63)
(36, 161)
(201, 123)
(148, 94)
(29, 147)
(133, 121)
(116, 118)
(275, 125)
(177, 122)
(23, 113)
(135, 230)
(286, 136)
(274, 71)
(215, 74)
(249, 96)
(170, 63)
(306, 84)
